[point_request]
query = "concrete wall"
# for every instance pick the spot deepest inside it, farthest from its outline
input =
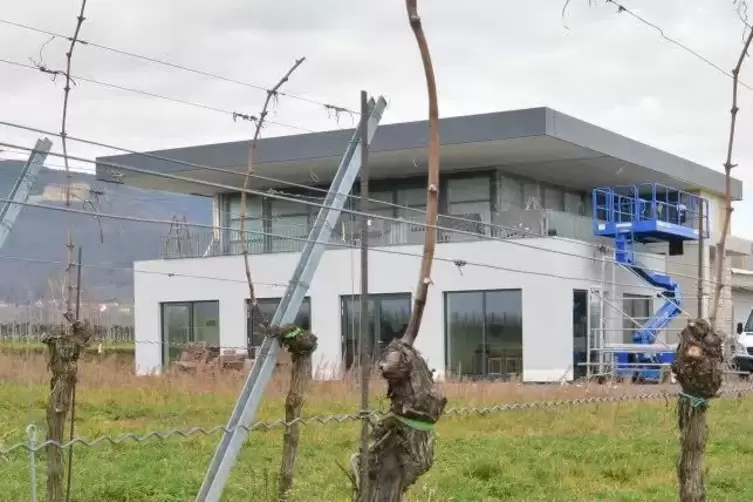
(547, 271)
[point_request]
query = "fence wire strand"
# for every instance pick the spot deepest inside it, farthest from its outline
(731, 391)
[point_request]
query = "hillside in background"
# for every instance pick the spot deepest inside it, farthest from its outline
(40, 234)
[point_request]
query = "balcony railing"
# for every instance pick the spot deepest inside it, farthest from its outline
(514, 223)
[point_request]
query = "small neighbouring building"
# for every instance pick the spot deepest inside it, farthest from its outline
(523, 295)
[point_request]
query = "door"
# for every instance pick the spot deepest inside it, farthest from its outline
(389, 314)
(176, 330)
(580, 333)
(595, 356)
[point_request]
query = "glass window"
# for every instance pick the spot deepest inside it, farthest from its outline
(554, 198)
(509, 193)
(574, 203)
(749, 323)
(468, 189)
(283, 228)
(268, 307)
(288, 219)
(188, 322)
(411, 197)
(484, 332)
(389, 315)
(375, 202)
(638, 307)
(465, 332)
(531, 195)
(467, 196)
(254, 225)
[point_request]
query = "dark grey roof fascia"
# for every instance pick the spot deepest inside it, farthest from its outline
(328, 144)
(584, 134)
(413, 135)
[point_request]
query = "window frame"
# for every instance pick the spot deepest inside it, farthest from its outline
(447, 345)
(165, 352)
(376, 298)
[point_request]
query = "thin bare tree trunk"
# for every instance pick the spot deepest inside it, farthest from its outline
(721, 248)
(402, 443)
(698, 366)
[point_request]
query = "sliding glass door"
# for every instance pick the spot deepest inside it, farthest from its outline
(188, 322)
(389, 315)
(484, 333)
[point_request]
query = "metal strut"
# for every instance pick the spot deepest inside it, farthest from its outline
(261, 372)
(22, 188)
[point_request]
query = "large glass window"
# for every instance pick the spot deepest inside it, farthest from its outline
(389, 315)
(484, 332)
(376, 203)
(638, 307)
(268, 307)
(531, 195)
(467, 196)
(288, 219)
(411, 197)
(509, 193)
(574, 203)
(253, 226)
(188, 322)
(554, 198)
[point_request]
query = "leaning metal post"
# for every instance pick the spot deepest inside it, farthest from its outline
(319, 237)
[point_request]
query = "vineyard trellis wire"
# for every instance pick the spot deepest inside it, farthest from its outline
(186, 432)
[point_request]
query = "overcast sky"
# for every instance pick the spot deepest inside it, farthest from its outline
(489, 55)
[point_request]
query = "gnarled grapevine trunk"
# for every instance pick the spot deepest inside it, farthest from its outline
(301, 344)
(698, 366)
(64, 351)
(401, 445)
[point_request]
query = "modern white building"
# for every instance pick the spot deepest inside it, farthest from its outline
(527, 294)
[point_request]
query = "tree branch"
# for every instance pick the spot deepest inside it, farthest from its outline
(249, 171)
(432, 196)
(63, 137)
(728, 165)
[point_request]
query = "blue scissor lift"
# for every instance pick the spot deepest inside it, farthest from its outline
(646, 213)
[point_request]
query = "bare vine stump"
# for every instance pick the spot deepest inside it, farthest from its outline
(301, 344)
(402, 443)
(64, 351)
(698, 366)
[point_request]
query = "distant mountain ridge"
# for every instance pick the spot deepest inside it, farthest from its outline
(40, 234)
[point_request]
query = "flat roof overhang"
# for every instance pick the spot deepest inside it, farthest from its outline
(540, 143)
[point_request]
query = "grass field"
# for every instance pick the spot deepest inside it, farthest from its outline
(605, 452)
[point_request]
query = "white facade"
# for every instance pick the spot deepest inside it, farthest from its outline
(547, 270)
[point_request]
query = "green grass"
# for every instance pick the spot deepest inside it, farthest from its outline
(621, 452)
